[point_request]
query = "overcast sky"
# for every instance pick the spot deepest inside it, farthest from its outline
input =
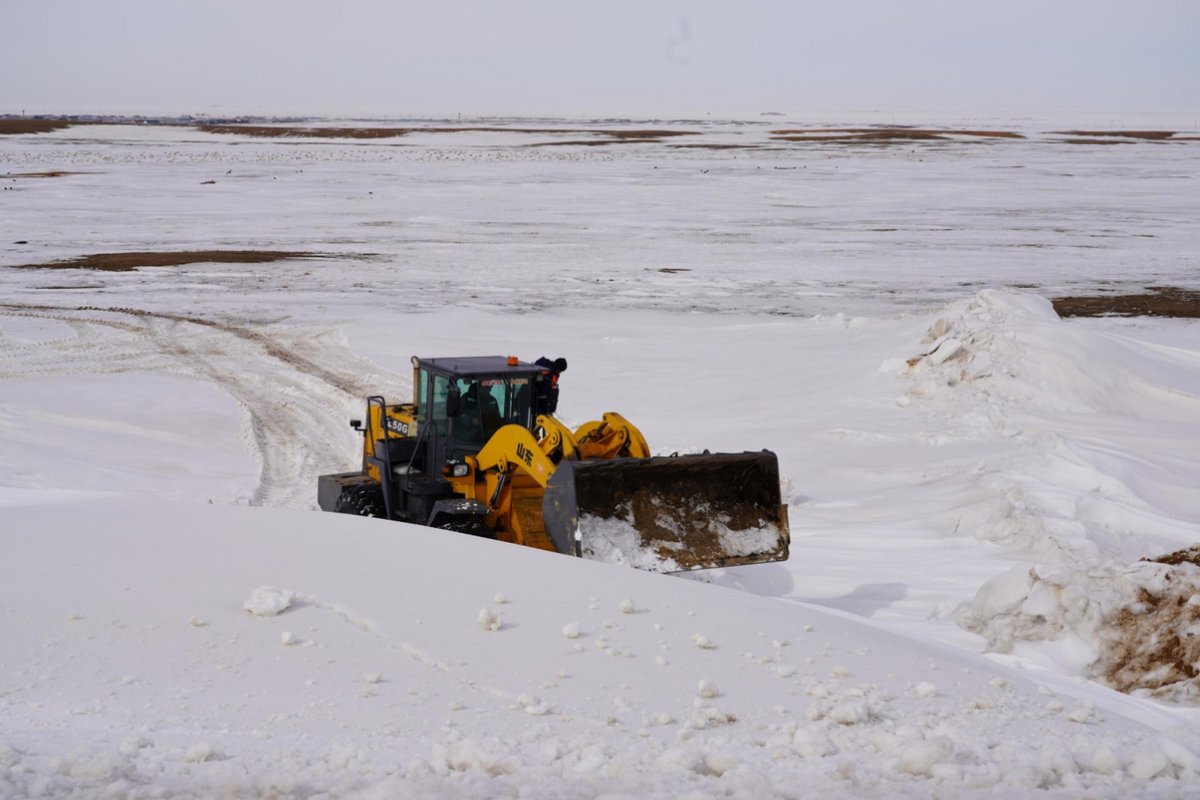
(392, 57)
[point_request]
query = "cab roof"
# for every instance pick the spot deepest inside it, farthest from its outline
(478, 365)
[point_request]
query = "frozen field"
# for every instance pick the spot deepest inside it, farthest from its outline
(972, 480)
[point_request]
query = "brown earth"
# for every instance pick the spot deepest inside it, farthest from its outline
(714, 146)
(1153, 647)
(126, 262)
(54, 173)
(900, 134)
(616, 133)
(282, 131)
(1155, 650)
(1189, 556)
(1153, 135)
(1165, 301)
(11, 127)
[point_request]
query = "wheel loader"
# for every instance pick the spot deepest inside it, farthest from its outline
(472, 454)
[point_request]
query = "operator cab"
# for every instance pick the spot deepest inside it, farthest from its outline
(466, 400)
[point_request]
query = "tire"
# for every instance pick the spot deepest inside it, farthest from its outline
(362, 501)
(470, 529)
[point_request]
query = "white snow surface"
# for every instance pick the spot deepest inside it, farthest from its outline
(971, 480)
(447, 709)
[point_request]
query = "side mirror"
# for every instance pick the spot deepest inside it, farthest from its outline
(452, 402)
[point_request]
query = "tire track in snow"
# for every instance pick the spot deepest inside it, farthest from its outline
(296, 403)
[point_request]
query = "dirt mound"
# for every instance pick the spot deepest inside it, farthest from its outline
(1154, 644)
(126, 262)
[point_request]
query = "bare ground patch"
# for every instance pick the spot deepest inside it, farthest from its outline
(293, 131)
(1166, 301)
(884, 135)
(287, 131)
(15, 127)
(1146, 135)
(52, 173)
(126, 262)
(715, 146)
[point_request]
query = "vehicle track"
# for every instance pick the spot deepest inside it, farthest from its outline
(297, 386)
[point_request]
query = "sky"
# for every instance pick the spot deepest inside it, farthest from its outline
(391, 57)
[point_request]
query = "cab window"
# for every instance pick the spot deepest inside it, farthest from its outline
(432, 407)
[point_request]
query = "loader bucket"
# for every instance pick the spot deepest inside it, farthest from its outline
(669, 514)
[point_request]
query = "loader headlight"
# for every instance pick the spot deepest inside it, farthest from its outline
(459, 470)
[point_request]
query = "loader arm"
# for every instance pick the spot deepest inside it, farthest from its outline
(510, 475)
(611, 437)
(513, 448)
(558, 438)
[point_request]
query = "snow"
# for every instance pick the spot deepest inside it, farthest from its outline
(615, 540)
(971, 480)
(267, 601)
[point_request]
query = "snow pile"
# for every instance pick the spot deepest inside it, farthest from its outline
(1135, 627)
(1013, 348)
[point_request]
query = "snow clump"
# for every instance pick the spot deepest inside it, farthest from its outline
(626, 606)
(267, 601)
(489, 620)
(533, 705)
(571, 630)
(203, 751)
(703, 642)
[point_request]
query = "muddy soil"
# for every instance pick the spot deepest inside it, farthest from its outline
(898, 134)
(1165, 301)
(126, 262)
(283, 131)
(53, 173)
(14, 127)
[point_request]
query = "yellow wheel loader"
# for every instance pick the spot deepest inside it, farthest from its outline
(471, 454)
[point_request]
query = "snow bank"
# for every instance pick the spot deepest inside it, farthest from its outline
(1067, 504)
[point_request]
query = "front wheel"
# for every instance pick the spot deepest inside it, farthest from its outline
(362, 501)
(470, 528)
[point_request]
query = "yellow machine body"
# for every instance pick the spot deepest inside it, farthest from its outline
(595, 491)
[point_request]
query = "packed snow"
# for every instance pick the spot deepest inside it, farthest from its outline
(973, 483)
